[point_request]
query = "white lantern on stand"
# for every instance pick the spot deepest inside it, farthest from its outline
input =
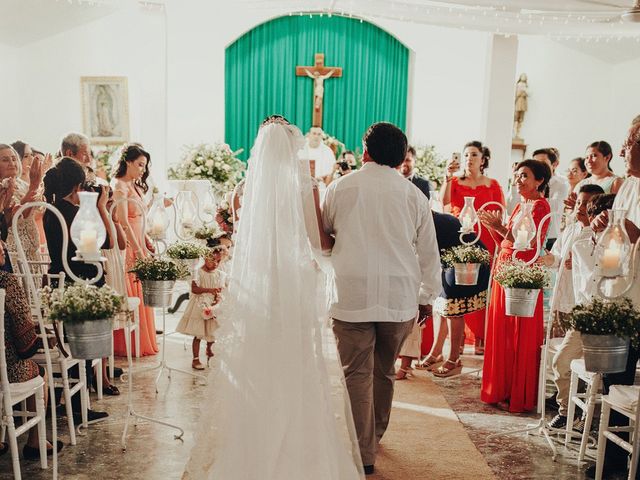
(87, 230)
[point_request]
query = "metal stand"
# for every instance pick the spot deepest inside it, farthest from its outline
(131, 413)
(179, 301)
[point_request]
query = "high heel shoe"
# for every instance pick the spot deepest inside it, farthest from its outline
(430, 363)
(448, 369)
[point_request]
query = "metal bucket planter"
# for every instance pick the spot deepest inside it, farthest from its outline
(521, 302)
(157, 293)
(605, 353)
(91, 339)
(466, 273)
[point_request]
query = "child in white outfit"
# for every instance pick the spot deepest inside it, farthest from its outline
(200, 317)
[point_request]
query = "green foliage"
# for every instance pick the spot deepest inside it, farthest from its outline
(186, 251)
(605, 317)
(151, 268)
(81, 303)
(465, 254)
(520, 275)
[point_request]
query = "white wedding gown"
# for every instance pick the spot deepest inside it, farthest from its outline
(276, 407)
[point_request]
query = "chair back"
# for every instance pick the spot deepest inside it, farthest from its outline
(4, 376)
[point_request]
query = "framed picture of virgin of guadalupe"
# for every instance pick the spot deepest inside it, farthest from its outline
(105, 109)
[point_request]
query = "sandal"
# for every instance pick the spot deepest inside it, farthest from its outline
(430, 363)
(111, 390)
(196, 365)
(403, 373)
(449, 369)
(479, 347)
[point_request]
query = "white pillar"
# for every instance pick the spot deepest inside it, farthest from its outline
(498, 106)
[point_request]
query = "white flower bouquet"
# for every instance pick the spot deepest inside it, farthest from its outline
(186, 251)
(429, 164)
(216, 163)
(336, 146)
(81, 303)
(465, 254)
(603, 317)
(518, 274)
(159, 269)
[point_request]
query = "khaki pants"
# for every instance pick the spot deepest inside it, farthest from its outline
(368, 352)
(570, 349)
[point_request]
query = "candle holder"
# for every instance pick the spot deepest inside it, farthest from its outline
(187, 212)
(87, 230)
(157, 220)
(477, 234)
(468, 216)
(210, 208)
(613, 246)
(524, 227)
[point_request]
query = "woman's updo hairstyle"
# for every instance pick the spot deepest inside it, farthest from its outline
(605, 149)
(484, 151)
(62, 178)
(130, 153)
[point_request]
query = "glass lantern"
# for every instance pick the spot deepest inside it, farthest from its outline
(211, 204)
(186, 211)
(468, 216)
(614, 246)
(87, 230)
(157, 219)
(524, 228)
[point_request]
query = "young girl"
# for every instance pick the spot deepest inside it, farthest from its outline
(199, 318)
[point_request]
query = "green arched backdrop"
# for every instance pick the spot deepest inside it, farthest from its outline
(260, 77)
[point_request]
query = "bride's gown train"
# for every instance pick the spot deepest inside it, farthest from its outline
(276, 406)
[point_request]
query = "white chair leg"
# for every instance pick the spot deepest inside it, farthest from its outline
(13, 446)
(68, 405)
(111, 361)
(42, 427)
(99, 380)
(84, 395)
(136, 316)
(602, 441)
(592, 393)
(3, 432)
(571, 410)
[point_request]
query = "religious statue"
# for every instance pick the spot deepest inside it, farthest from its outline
(521, 106)
(318, 86)
(104, 111)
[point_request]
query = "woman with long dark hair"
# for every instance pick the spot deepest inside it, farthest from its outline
(131, 173)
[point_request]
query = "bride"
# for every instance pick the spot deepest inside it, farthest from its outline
(277, 407)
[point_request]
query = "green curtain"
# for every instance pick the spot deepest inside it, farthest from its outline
(260, 77)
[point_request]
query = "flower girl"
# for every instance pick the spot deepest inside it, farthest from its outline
(200, 317)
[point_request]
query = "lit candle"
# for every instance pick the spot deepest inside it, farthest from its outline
(467, 224)
(611, 257)
(88, 241)
(157, 227)
(522, 239)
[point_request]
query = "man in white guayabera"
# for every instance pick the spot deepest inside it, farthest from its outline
(387, 271)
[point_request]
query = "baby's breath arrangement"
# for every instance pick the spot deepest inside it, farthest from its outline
(186, 251)
(159, 269)
(465, 254)
(81, 303)
(208, 232)
(429, 164)
(520, 275)
(216, 163)
(604, 317)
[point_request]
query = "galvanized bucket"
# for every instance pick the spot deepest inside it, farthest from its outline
(91, 339)
(466, 273)
(605, 353)
(521, 302)
(157, 293)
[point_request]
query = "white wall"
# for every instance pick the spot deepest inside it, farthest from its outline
(10, 120)
(625, 103)
(570, 98)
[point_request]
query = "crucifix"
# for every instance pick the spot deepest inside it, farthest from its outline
(319, 73)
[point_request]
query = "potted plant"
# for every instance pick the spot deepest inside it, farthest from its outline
(606, 328)
(188, 253)
(466, 261)
(522, 284)
(87, 313)
(158, 276)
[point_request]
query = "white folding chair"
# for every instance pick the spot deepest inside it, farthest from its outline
(623, 399)
(584, 401)
(14, 393)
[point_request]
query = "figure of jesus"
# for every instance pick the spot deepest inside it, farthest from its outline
(318, 86)
(520, 105)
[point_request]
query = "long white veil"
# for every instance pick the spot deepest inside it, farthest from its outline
(277, 406)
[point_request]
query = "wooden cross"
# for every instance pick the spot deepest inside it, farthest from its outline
(319, 73)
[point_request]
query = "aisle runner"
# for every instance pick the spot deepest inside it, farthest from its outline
(425, 439)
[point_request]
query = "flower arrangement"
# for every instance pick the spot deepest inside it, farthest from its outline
(186, 251)
(520, 275)
(103, 167)
(603, 317)
(465, 254)
(208, 232)
(207, 312)
(333, 143)
(429, 164)
(80, 303)
(224, 216)
(159, 269)
(216, 163)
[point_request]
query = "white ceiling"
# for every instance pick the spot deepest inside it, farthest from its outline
(576, 23)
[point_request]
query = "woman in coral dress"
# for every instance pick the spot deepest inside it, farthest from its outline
(473, 183)
(512, 344)
(130, 182)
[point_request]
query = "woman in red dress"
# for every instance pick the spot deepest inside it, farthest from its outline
(512, 344)
(473, 183)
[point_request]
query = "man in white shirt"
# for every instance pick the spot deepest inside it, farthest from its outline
(387, 268)
(558, 190)
(322, 156)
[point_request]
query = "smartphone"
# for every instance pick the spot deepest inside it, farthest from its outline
(455, 158)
